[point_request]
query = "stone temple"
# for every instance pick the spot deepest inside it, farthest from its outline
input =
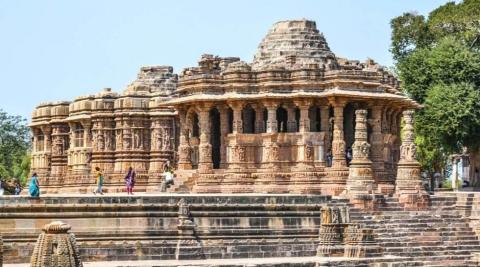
(269, 126)
(299, 158)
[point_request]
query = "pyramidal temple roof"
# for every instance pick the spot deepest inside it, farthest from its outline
(292, 43)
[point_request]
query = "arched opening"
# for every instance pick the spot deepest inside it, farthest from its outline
(282, 118)
(349, 130)
(297, 118)
(230, 120)
(194, 139)
(314, 115)
(265, 119)
(349, 124)
(369, 126)
(215, 137)
(195, 127)
(248, 117)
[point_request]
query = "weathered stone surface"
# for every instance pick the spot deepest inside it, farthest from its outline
(409, 186)
(270, 126)
(56, 247)
(293, 43)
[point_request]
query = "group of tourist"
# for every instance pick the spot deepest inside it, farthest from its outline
(34, 186)
(129, 181)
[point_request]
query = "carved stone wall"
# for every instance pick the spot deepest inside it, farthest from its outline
(297, 88)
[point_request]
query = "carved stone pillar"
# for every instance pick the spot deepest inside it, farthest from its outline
(325, 126)
(47, 132)
(205, 164)
(377, 150)
(184, 149)
(43, 157)
(360, 183)
(272, 126)
(59, 155)
(291, 122)
(259, 123)
(304, 123)
(162, 143)
(87, 138)
(237, 108)
(223, 135)
(409, 188)
(338, 173)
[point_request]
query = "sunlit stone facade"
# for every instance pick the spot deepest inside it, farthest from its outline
(231, 126)
(109, 130)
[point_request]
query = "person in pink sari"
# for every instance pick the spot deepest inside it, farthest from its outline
(130, 180)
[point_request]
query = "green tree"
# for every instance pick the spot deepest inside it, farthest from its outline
(452, 113)
(14, 146)
(411, 31)
(438, 62)
(448, 62)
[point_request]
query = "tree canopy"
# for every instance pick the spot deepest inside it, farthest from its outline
(438, 62)
(14, 147)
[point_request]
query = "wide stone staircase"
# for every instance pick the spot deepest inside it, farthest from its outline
(439, 236)
(236, 226)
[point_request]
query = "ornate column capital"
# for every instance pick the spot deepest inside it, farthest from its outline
(337, 102)
(204, 106)
(303, 103)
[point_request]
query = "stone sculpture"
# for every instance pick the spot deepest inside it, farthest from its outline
(56, 247)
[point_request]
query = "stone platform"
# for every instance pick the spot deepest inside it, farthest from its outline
(174, 229)
(257, 262)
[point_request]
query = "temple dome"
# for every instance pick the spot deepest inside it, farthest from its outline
(292, 43)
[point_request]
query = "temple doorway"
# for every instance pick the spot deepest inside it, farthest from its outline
(215, 137)
(349, 125)
(282, 117)
(248, 119)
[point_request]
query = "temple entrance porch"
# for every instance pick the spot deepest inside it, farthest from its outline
(293, 145)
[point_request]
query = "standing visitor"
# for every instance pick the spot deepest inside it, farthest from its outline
(168, 174)
(18, 188)
(34, 187)
(349, 156)
(1, 187)
(130, 180)
(99, 181)
(329, 158)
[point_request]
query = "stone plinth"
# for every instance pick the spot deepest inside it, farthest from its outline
(56, 247)
(360, 243)
(333, 222)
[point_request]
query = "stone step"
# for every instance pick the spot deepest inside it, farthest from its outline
(429, 243)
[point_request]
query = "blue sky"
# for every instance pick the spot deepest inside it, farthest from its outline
(57, 50)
